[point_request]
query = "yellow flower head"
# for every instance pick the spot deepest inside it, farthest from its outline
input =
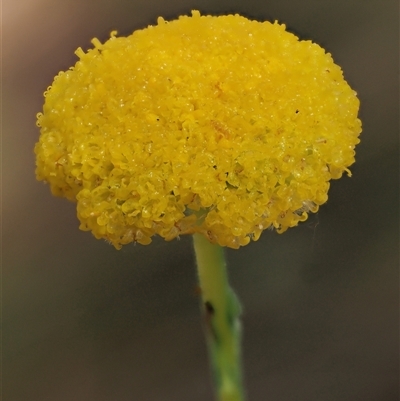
(218, 125)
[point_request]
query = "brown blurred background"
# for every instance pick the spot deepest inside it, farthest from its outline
(84, 322)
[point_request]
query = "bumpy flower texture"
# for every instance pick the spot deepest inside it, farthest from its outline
(218, 125)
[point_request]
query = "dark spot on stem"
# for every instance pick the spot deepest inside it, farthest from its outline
(209, 308)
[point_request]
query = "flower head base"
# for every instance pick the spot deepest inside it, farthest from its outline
(218, 125)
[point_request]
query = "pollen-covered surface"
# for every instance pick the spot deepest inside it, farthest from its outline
(218, 125)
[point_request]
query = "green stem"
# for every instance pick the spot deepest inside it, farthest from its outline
(222, 311)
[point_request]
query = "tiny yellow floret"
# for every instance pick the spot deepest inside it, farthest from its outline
(217, 125)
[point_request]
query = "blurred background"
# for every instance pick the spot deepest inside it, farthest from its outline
(84, 322)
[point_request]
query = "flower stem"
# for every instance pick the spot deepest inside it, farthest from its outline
(222, 310)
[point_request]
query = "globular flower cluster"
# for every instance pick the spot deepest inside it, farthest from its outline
(217, 125)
